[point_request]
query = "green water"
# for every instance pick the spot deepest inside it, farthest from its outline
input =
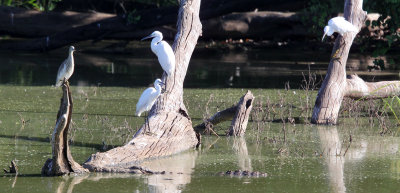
(297, 157)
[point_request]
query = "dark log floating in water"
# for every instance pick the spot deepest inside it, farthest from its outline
(62, 162)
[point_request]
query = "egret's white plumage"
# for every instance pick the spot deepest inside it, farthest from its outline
(66, 69)
(148, 98)
(164, 52)
(339, 25)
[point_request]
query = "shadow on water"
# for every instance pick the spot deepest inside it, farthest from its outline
(98, 147)
(250, 68)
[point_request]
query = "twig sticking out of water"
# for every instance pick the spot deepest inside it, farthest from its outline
(13, 168)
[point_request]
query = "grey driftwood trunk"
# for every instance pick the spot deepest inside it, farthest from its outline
(62, 161)
(335, 85)
(168, 129)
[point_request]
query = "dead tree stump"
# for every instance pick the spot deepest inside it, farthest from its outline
(168, 128)
(62, 162)
(239, 121)
(239, 114)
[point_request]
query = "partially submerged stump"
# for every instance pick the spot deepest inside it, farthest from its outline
(241, 118)
(62, 162)
(239, 114)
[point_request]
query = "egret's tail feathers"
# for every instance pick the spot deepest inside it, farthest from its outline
(138, 114)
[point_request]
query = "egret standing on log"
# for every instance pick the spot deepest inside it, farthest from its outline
(339, 25)
(164, 52)
(148, 98)
(66, 69)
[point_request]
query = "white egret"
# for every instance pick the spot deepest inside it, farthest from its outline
(163, 50)
(148, 98)
(339, 25)
(66, 69)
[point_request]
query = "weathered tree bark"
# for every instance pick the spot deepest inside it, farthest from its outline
(62, 161)
(168, 128)
(239, 121)
(356, 88)
(333, 87)
(336, 86)
(218, 117)
(239, 114)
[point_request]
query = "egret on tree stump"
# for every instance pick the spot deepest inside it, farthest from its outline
(339, 25)
(164, 52)
(148, 98)
(66, 69)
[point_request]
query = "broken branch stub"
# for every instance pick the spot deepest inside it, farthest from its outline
(168, 129)
(62, 162)
(241, 118)
(239, 114)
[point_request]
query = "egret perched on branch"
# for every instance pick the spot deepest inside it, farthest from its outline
(66, 69)
(148, 98)
(164, 52)
(339, 25)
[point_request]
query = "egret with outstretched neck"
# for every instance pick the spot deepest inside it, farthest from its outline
(66, 69)
(148, 97)
(339, 25)
(164, 52)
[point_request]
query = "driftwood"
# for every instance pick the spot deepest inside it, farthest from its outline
(239, 114)
(168, 128)
(116, 24)
(358, 89)
(62, 161)
(335, 85)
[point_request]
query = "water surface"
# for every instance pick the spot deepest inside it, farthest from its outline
(297, 157)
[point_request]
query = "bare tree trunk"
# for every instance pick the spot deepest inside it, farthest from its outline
(336, 85)
(333, 88)
(168, 128)
(62, 161)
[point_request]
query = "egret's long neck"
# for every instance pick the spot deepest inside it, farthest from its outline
(71, 57)
(158, 88)
(154, 43)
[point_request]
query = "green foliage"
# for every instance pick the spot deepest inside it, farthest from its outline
(317, 14)
(395, 101)
(133, 17)
(388, 22)
(41, 5)
(379, 63)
